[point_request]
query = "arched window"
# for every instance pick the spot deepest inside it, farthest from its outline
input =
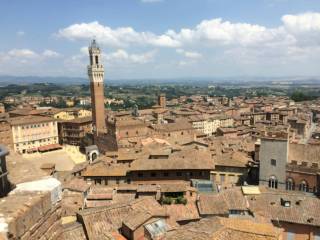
(273, 182)
(290, 184)
(304, 186)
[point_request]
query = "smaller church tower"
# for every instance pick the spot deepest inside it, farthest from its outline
(96, 76)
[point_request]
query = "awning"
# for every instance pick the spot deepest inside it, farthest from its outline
(49, 147)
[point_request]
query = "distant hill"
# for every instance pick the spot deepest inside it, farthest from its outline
(5, 80)
(239, 80)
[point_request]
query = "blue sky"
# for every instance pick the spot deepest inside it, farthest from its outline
(161, 38)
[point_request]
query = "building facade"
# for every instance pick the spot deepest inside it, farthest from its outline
(34, 133)
(96, 76)
(71, 132)
(210, 125)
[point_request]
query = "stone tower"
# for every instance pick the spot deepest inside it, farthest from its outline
(96, 76)
(273, 157)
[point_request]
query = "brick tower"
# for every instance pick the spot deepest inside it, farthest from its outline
(96, 76)
(162, 100)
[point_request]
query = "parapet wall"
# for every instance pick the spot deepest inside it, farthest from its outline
(31, 215)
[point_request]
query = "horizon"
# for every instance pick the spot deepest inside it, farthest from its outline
(201, 39)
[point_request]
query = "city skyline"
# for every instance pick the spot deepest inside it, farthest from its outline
(161, 38)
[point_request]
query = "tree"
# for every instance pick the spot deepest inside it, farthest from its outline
(299, 96)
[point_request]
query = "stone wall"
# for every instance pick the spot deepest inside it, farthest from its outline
(273, 149)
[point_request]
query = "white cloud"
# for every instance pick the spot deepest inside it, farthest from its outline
(50, 54)
(305, 28)
(118, 57)
(119, 37)
(302, 23)
(22, 53)
(20, 33)
(122, 56)
(299, 30)
(217, 32)
(189, 54)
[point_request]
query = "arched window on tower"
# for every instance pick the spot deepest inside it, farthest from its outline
(304, 186)
(273, 182)
(97, 60)
(290, 184)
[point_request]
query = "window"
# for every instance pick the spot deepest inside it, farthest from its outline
(273, 162)
(140, 175)
(97, 59)
(273, 182)
(222, 178)
(166, 174)
(290, 184)
(290, 236)
(304, 186)
(179, 174)
(153, 174)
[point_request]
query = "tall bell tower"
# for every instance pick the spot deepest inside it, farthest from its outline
(96, 76)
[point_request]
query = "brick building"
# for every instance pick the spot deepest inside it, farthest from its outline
(5, 131)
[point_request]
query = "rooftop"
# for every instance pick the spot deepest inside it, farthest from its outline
(30, 120)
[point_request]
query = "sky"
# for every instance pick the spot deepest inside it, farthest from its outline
(154, 39)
